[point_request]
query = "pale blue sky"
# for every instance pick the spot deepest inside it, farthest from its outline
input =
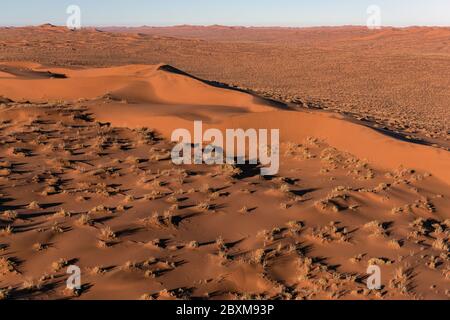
(225, 12)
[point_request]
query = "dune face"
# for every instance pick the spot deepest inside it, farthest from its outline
(86, 180)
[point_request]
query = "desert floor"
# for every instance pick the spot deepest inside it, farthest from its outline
(394, 78)
(86, 176)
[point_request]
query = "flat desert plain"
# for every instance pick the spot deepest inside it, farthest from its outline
(87, 179)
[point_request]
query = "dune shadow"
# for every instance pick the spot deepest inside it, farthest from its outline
(395, 135)
(31, 74)
(221, 85)
(303, 191)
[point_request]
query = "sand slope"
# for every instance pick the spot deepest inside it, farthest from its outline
(106, 197)
(135, 83)
(150, 89)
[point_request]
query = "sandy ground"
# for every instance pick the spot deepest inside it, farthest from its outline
(395, 78)
(86, 179)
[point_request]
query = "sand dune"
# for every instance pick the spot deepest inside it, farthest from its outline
(151, 88)
(86, 179)
(135, 84)
(396, 77)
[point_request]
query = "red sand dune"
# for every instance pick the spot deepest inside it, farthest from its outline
(107, 198)
(166, 100)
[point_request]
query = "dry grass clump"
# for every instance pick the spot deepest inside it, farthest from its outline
(181, 294)
(220, 243)
(269, 236)
(100, 209)
(330, 233)
(147, 136)
(222, 248)
(130, 265)
(203, 206)
(107, 235)
(433, 262)
(7, 266)
(423, 204)
(62, 214)
(395, 244)
(5, 172)
(379, 261)
(336, 201)
(152, 267)
(60, 264)
(400, 174)
(244, 209)
(31, 285)
(156, 243)
(71, 292)
(399, 210)
(298, 151)
(295, 227)
(284, 188)
(34, 205)
(120, 208)
(155, 194)
(56, 228)
(401, 280)
(4, 294)
(134, 160)
(305, 267)
(326, 205)
(20, 152)
(167, 219)
(39, 246)
(441, 244)
(258, 256)
(7, 231)
(446, 273)
(85, 220)
(376, 228)
(420, 228)
(172, 199)
(146, 297)
(313, 142)
(356, 259)
(205, 188)
(285, 205)
(5, 164)
(49, 191)
(10, 215)
(193, 245)
(291, 148)
(97, 270)
(230, 170)
(160, 156)
(332, 157)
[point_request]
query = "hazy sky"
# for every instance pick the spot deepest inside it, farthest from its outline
(226, 12)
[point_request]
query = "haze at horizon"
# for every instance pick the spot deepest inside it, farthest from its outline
(293, 13)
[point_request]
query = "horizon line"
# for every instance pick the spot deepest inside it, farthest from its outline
(228, 26)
